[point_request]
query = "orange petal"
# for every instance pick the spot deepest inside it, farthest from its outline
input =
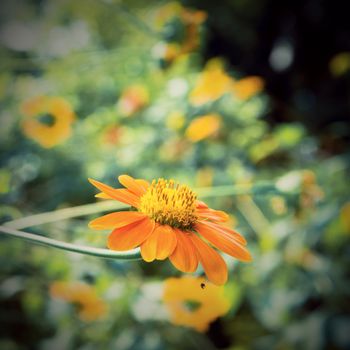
(223, 241)
(201, 205)
(132, 185)
(184, 257)
(215, 215)
(116, 220)
(131, 236)
(213, 264)
(121, 195)
(160, 244)
(143, 183)
(103, 195)
(166, 243)
(226, 230)
(149, 247)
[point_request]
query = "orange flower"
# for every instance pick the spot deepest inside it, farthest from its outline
(90, 306)
(203, 127)
(133, 99)
(59, 129)
(213, 83)
(192, 21)
(169, 222)
(193, 303)
(247, 87)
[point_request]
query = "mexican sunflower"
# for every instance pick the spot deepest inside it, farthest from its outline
(192, 306)
(169, 222)
(185, 26)
(60, 114)
(89, 306)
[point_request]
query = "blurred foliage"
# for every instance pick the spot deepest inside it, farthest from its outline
(148, 102)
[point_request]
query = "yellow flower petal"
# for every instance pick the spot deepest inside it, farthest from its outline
(211, 301)
(203, 127)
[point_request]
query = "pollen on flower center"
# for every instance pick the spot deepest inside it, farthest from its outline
(169, 203)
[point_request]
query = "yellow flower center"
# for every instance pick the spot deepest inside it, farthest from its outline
(170, 203)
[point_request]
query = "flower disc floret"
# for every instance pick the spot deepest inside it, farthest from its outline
(170, 203)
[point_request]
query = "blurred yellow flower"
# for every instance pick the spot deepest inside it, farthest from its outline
(58, 126)
(203, 127)
(194, 303)
(132, 100)
(247, 87)
(90, 306)
(182, 30)
(211, 84)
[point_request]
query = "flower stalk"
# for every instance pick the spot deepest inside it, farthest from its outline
(75, 248)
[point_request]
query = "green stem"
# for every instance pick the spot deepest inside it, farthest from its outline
(99, 252)
(66, 213)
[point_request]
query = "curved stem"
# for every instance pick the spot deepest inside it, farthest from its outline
(99, 252)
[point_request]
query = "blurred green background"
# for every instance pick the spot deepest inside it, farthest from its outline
(209, 94)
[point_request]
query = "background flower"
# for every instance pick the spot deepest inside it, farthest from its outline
(247, 87)
(90, 306)
(194, 303)
(53, 131)
(181, 31)
(203, 127)
(211, 84)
